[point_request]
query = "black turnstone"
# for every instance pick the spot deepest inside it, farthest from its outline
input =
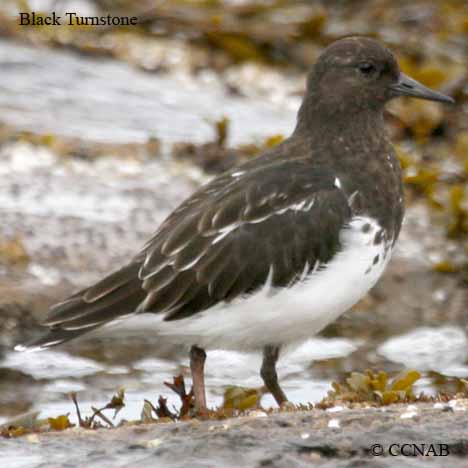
(270, 252)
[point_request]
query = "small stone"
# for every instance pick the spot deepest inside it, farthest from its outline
(257, 414)
(411, 412)
(335, 409)
(439, 405)
(152, 443)
(456, 405)
(32, 438)
(334, 424)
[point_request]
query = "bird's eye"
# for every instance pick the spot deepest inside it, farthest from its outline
(366, 68)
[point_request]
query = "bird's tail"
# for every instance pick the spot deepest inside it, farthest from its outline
(116, 296)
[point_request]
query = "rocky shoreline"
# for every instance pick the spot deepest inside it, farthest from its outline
(94, 153)
(403, 435)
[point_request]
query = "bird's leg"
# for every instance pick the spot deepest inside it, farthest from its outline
(269, 375)
(197, 364)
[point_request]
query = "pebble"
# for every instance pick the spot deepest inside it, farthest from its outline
(335, 409)
(334, 424)
(257, 414)
(411, 412)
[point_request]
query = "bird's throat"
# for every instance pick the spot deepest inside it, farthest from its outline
(316, 120)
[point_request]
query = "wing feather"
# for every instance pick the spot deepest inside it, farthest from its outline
(227, 244)
(270, 224)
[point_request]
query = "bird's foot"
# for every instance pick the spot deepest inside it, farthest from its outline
(287, 406)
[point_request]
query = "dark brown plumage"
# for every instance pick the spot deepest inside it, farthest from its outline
(277, 218)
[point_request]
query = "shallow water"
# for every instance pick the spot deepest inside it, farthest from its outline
(145, 377)
(303, 371)
(51, 91)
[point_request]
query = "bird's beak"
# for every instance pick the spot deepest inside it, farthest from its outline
(406, 86)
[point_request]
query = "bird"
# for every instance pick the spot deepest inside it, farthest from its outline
(270, 252)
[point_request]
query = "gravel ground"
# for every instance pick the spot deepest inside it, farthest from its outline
(346, 438)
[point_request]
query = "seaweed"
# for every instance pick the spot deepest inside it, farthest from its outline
(374, 388)
(371, 388)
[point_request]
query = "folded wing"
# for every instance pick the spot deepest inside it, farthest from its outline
(275, 222)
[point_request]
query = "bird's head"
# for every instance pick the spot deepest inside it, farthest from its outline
(358, 73)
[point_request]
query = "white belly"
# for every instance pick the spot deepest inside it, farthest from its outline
(290, 315)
